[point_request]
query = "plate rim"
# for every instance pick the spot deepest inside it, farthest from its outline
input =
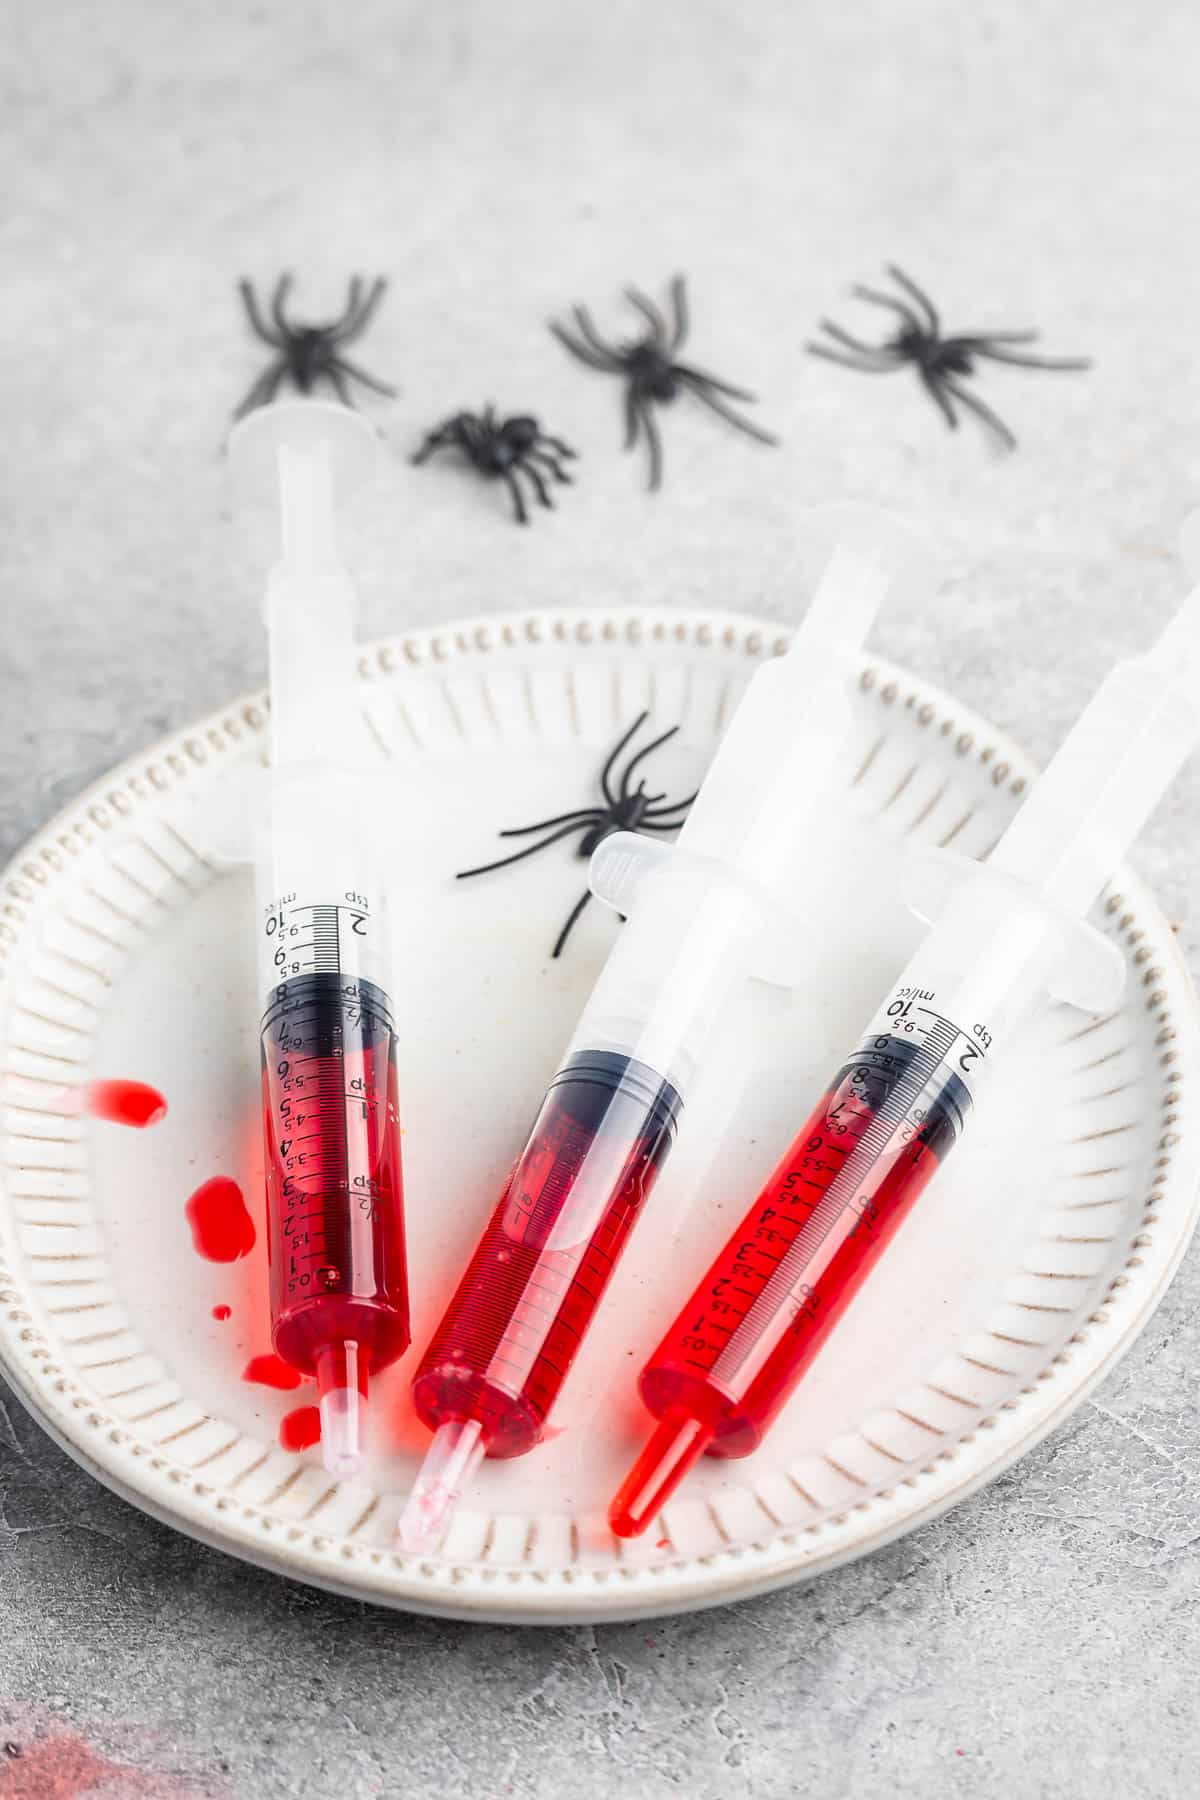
(689, 1581)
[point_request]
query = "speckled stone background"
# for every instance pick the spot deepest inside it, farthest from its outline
(1033, 162)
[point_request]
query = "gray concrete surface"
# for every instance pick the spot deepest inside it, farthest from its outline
(1034, 162)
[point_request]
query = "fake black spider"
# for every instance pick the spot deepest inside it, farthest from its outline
(937, 359)
(305, 353)
(653, 376)
(503, 448)
(625, 809)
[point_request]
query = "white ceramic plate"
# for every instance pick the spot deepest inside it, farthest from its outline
(1030, 1265)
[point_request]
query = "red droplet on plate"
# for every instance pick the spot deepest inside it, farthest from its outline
(222, 1312)
(271, 1371)
(125, 1103)
(222, 1229)
(300, 1429)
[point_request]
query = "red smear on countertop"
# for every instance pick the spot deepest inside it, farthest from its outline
(663, 1544)
(222, 1312)
(222, 1229)
(125, 1103)
(271, 1371)
(65, 1767)
(301, 1429)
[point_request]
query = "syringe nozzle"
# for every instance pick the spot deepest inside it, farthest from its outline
(342, 1397)
(680, 1440)
(453, 1457)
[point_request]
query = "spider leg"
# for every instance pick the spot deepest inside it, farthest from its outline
(721, 387)
(264, 389)
(552, 463)
(980, 347)
(660, 812)
(839, 336)
(557, 445)
(587, 815)
(257, 323)
(679, 301)
(651, 314)
(582, 353)
(652, 825)
(992, 420)
(349, 368)
(641, 756)
(517, 855)
(915, 293)
(337, 378)
(633, 417)
(278, 302)
(995, 337)
(935, 387)
(606, 772)
(583, 320)
(349, 329)
(645, 413)
(539, 486)
(726, 412)
(441, 439)
(518, 500)
(353, 302)
(572, 920)
(851, 362)
(897, 306)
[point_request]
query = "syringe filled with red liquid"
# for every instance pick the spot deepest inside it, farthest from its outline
(697, 916)
(1005, 932)
(335, 1220)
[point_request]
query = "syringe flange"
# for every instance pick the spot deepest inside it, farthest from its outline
(626, 862)
(1089, 971)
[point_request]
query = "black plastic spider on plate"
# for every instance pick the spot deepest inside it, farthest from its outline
(503, 448)
(652, 375)
(306, 353)
(625, 808)
(937, 359)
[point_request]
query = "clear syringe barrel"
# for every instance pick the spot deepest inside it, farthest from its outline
(330, 1107)
(887, 1120)
(335, 1225)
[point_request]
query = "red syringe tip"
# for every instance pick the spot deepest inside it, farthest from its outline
(342, 1396)
(679, 1441)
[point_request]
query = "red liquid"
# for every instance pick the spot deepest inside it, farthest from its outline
(300, 1429)
(222, 1312)
(335, 1198)
(515, 1324)
(125, 1103)
(271, 1371)
(752, 1327)
(222, 1229)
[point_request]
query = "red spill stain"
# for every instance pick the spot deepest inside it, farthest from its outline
(222, 1312)
(125, 1103)
(65, 1767)
(271, 1371)
(663, 1544)
(222, 1229)
(300, 1429)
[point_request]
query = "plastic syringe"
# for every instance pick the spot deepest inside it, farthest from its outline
(1005, 933)
(497, 1360)
(335, 1221)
